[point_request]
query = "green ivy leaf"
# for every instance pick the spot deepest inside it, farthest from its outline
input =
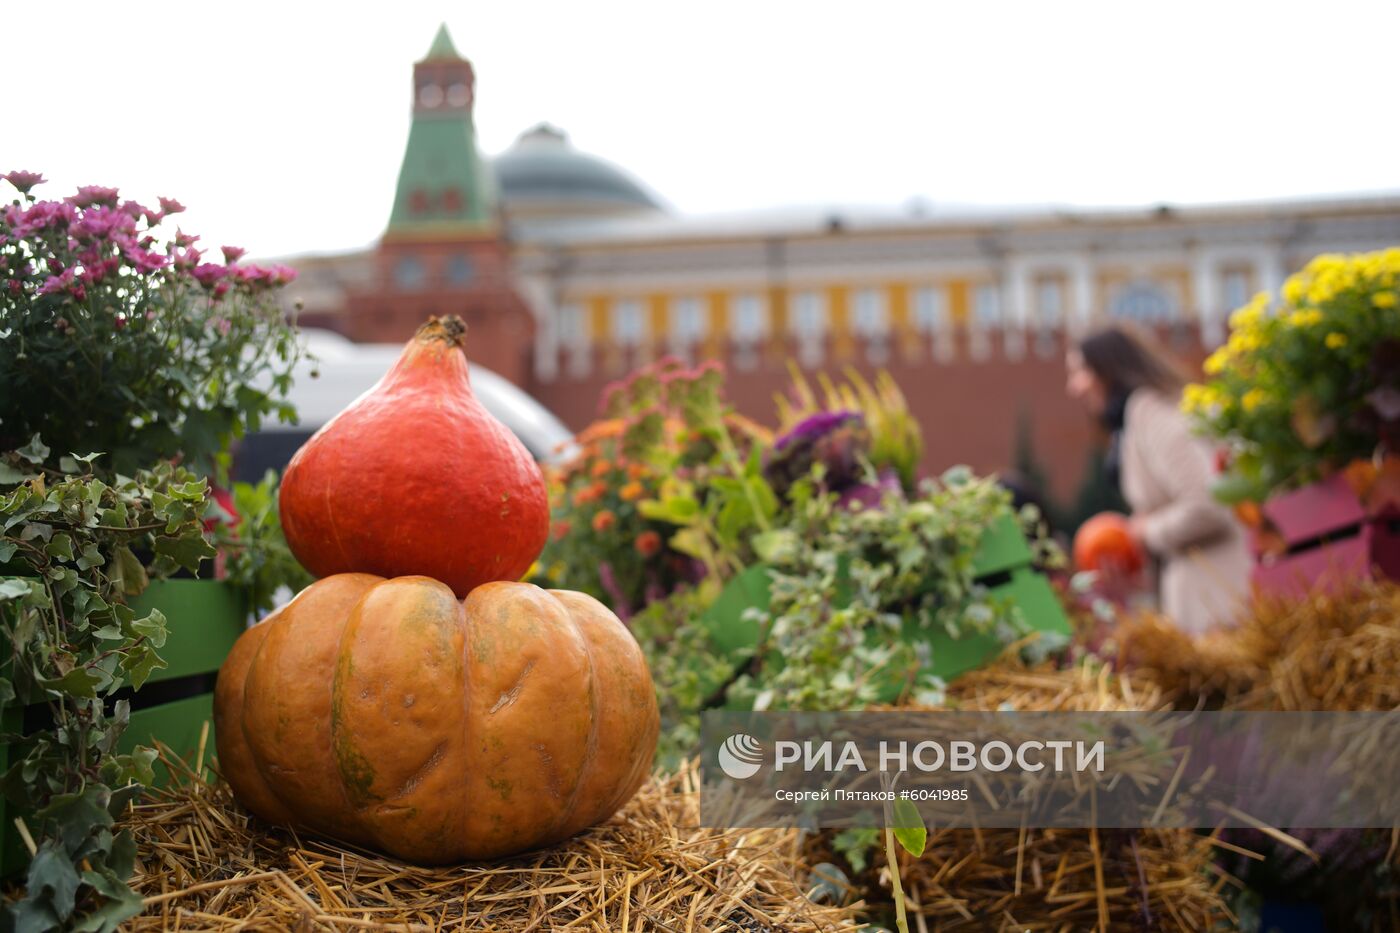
(122, 903)
(36, 530)
(51, 875)
(139, 662)
(187, 551)
(14, 589)
(127, 573)
(35, 451)
(777, 546)
(79, 682)
(60, 546)
(152, 628)
(908, 827)
(9, 475)
(90, 558)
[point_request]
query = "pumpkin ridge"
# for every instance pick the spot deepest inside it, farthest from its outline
(563, 826)
(356, 771)
(275, 787)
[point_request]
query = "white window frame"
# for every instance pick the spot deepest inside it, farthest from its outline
(573, 328)
(986, 305)
(811, 318)
(689, 324)
(750, 322)
(870, 313)
(931, 309)
(1050, 302)
(629, 323)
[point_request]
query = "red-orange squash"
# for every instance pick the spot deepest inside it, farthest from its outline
(1107, 539)
(416, 477)
(391, 715)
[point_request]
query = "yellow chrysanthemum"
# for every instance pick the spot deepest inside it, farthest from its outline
(1306, 318)
(1384, 299)
(1253, 399)
(1215, 363)
(1246, 317)
(1242, 342)
(1335, 340)
(1293, 290)
(1199, 399)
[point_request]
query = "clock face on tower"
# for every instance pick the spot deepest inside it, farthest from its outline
(430, 95)
(458, 95)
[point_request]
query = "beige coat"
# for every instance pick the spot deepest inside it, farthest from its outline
(1166, 473)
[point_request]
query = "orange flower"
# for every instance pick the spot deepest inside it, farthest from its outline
(603, 521)
(600, 469)
(600, 489)
(561, 529)
(647, 543)
(632, 490)
(636, 470)
(585, 496)
(598, 430)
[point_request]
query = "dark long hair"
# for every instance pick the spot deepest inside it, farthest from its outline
(1125, 357)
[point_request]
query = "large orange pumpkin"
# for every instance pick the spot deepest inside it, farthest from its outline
(1107, 538)
(388, 714)
(416, 477)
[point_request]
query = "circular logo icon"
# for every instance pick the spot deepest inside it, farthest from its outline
(741, 756)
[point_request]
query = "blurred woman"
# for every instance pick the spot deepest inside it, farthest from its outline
(1133, 387)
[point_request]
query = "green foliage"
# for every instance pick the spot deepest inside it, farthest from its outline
(843, 582)
(115, 336)
(908, 827)
(906, 560)
(68, 547)
(258, 558)
(684, 666)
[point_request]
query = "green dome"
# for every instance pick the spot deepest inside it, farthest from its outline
(543, 177)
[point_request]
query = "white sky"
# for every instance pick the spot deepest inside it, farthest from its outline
(281, 125)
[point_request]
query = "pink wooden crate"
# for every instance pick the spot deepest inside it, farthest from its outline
(1331, 540)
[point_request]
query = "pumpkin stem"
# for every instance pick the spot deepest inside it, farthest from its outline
(449, 328)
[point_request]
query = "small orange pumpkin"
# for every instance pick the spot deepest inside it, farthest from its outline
(469, 503)
(1107, 538)
(389, 714)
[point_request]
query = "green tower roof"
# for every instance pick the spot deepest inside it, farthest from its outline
(445, 189)
(442, 47)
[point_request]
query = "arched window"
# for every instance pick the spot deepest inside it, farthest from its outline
(1143, 300)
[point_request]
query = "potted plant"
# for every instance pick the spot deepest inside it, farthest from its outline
(1306, 395)
(130, 362)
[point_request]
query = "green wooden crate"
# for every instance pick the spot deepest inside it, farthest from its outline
(1003, 563)
(204, 618)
